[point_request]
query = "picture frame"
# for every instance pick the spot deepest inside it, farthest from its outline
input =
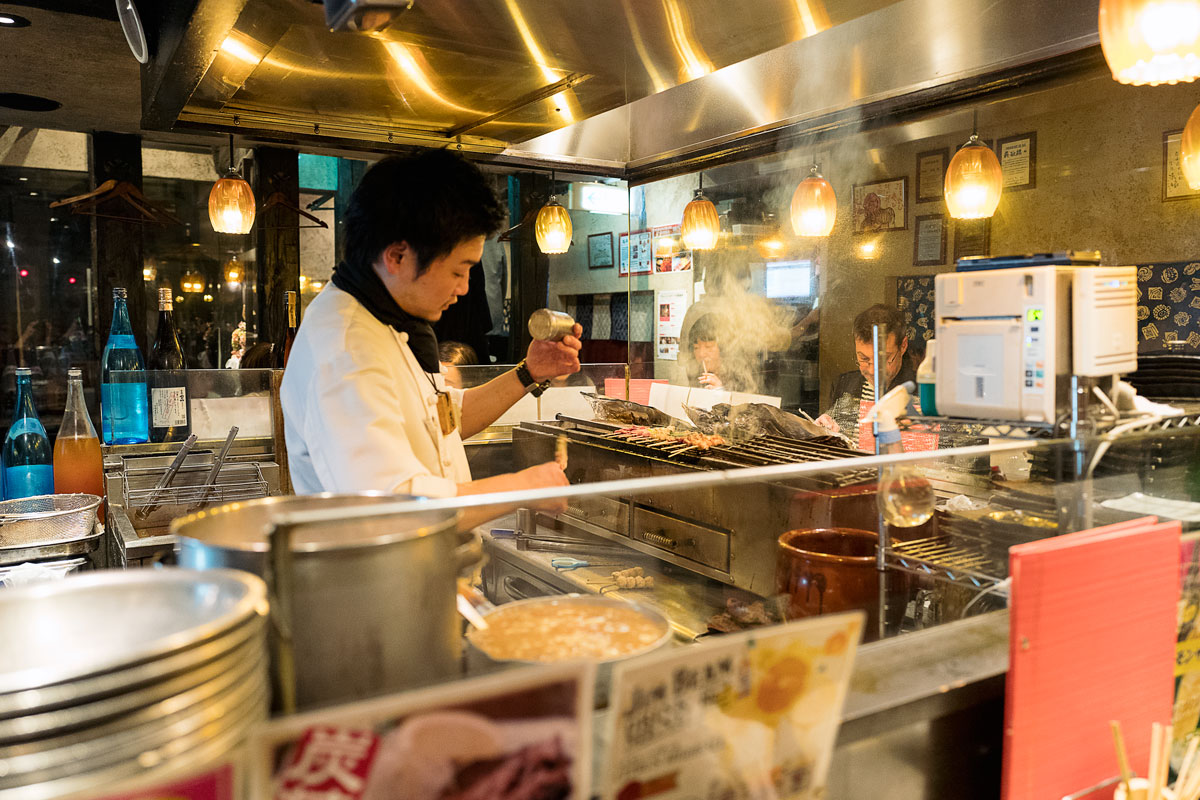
(1174, 185)
(635, 253)
(881, 206)
(931, 174)
(1018, 161)
(600, 250)
(929, 240)
(972, 237)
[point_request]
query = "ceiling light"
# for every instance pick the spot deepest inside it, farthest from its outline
(55, 260)
(149, 273)
(22, 178)
(701, 225)
(208, 298)
(814, 206)
(11, 244)
(553, 226)
(233, 271)
(231, 201)
(974, 180)
(193, 282)
(1151, 41)
(13, 21)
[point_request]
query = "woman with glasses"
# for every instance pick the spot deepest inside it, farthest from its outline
(854, 392)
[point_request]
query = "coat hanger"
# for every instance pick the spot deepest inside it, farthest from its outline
(280, 200)
(89, 204)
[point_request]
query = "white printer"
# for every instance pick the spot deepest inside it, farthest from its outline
(1008, 340)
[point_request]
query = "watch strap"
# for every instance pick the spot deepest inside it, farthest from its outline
(526, 379)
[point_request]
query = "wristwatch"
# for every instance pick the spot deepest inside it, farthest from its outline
(526, 379)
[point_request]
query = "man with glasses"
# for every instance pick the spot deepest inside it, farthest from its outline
(854, 392)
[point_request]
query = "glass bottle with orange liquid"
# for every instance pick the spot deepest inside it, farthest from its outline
(78, 465)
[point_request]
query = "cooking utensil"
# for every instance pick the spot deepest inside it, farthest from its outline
(566, 563)
(168, 476)
(219, 462)
(551, 326)
(322, 575)
(46, 519)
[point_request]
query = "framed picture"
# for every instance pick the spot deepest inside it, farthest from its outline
(600, 250)
(1018, 161)
(929, 245)
(881, 206)
(636, 253)
(931, 174)
(1175, 186)
(972, 237)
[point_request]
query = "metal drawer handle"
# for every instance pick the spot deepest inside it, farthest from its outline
(521, 589)
(660, 540)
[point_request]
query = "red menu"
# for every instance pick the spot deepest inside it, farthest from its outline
(1092, 639)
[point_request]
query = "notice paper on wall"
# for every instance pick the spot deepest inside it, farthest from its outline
(751, 715)
(672, 304)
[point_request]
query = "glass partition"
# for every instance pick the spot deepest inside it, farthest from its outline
(218, 399)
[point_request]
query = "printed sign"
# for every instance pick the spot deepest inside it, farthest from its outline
(749, 716)
(669, 255)
(637, 253)
(672, 304)
(525, 729)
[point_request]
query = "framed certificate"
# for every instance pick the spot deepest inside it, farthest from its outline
(1018, 161)
(600, 250)
(931, 174)
(929, 243)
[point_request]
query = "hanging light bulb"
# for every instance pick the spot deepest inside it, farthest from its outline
(1189, 150)
(701, 225)
(814, 206)
(1151, 41)
(233, 271)
(553, 226)
(974, 180)
(149, 270)
(193, 282)
(231, 201)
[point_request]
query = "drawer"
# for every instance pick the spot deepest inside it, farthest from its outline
(605, 512)
(681, 538)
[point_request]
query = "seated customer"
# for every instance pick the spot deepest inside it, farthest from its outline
(452, 355)
(705, 350)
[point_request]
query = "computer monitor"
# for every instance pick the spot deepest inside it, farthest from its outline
(786, 280)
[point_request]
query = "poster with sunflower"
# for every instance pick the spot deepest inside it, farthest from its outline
(749, 715)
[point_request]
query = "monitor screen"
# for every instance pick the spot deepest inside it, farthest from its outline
(787, 279)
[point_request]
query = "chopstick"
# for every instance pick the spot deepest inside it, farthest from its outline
(1185, 767)
(1122, 755)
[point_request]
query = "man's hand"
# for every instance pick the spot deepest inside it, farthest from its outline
(544, 476)
(546, 360)
(710, 380)
(826, 421)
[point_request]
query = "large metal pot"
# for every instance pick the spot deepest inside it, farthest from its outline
(825, 570)
(359, 607)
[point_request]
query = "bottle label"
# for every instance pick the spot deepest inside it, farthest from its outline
(168, 407)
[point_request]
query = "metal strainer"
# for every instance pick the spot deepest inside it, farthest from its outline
(47, 519)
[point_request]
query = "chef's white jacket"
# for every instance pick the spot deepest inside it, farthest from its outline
(359, 413)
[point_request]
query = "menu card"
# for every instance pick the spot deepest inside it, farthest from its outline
(748, 715)
(491, 737)
(1092, 639)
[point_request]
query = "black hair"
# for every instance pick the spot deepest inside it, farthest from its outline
(434, 201)
(458, 354)
(705, 330)
(879, 314)
(258, 356)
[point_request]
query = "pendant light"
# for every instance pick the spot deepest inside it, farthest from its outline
(1189, 150)
(814, 206)
(193, 282)
(233, 271)
(701, 225)
(553, 226)
(974, 180)
(1151, 41)
(231, 201)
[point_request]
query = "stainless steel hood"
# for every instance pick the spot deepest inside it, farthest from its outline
(483, 73)
(615, 85)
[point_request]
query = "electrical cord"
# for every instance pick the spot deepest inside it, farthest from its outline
(1003, 586)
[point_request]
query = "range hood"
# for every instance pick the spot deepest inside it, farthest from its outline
(613, 85)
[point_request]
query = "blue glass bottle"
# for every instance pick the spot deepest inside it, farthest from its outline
(27, 458)
(124, 406)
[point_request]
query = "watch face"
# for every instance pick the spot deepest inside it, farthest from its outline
(131, 23)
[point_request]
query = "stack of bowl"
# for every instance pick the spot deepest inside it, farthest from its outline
(108, 675)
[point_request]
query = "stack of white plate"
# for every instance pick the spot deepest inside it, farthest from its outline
(112, 674)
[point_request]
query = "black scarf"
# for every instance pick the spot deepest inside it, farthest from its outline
(365, 286)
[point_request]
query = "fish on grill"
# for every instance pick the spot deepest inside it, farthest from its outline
(750, 420)
(627, 412)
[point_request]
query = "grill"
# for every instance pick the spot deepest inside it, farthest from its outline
(727, 533)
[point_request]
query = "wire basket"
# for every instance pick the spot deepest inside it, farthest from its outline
(47, 519)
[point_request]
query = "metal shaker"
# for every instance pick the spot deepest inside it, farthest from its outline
(550, 326)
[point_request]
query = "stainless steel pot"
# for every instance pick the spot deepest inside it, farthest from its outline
(359, 607)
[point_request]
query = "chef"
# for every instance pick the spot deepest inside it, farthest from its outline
(365, 404)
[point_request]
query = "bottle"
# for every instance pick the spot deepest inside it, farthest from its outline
(78, 464)
(28, 468)
(927, 382)
(170, 417)
(292, 300)
(124, 410)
